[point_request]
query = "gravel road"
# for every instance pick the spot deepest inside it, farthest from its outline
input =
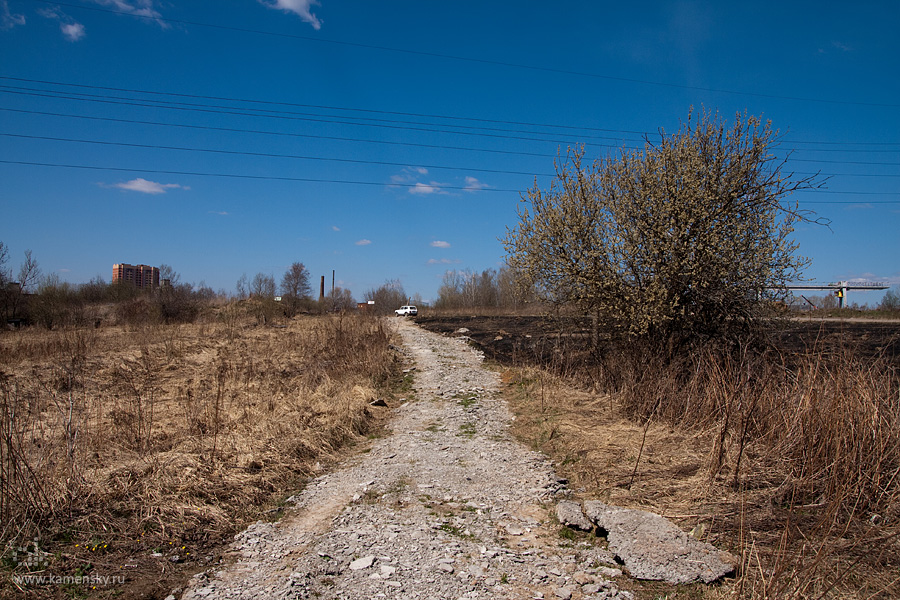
(447, 505)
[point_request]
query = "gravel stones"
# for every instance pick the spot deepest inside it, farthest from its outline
(446, 506)
(362, 563)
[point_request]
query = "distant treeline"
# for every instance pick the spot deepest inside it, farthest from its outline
(492, 288)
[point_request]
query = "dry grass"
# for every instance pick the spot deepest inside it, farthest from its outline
(120, 441)
(794, 467)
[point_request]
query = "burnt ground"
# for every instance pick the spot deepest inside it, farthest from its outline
(565, 342)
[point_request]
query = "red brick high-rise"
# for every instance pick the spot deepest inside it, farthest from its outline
(142, 276)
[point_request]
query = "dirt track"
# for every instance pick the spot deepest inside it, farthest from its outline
(447, 505)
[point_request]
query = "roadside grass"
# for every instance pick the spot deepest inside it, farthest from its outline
(791, 463)
(173, 437)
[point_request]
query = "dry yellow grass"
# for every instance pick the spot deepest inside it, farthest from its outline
(792, 546)
(117, 442)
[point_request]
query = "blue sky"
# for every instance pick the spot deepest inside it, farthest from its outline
(391, 140)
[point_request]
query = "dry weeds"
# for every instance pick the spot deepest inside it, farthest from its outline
(793, 469)
(121, 443)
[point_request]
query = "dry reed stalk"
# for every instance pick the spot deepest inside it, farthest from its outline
(810, 445)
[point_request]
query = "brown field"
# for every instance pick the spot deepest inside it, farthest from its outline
(790, 460)
(137, 451)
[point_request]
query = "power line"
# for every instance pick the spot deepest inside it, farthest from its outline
(439, 187)
(327, 107)
(216, 110)
(259, 112)
(143, 104)
(257, 177)
(279, 133)
(274, 155)
(483, 61)
(397, 113)
(341, 160)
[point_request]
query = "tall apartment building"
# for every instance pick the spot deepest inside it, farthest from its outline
(142, 276)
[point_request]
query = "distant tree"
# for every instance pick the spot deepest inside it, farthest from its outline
(295, 288)
(178, 303)
(242, 287)
(29, 273)
(489, 289)
(263, 286)
(891, 300)
(388, 297)
(340, 300)
(4, 258)
(55, 303)
(262, 294)
(829, 301)
(683, 239)
(5, 278)
(204, 293)
(14, 299)
(167, 273)
(96, 290)
(121, 291)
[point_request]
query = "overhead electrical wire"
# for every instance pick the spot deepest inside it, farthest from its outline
(353, 120)
(484, 61)
(273, 155)
(894, 146)
(216, 110)
(413, 114)
(280, 133)
(437, 186)
(325, 107)
(341, 160)
(248, 176)
(260, 112)
(238, 112)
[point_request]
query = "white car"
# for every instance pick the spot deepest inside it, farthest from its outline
(407, 311)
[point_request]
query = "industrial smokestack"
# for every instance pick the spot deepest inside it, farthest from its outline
(322, 289)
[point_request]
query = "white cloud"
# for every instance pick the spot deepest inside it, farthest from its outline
(410, 178)
(138, 8)
(301, 8)
(9, 20)
(335, 228)
(221, 213)
(440, 244)
(842, 46)
(442, 261)
(424, 189)
(473, 185)
(363, 242)
(72, 31)
(148, 187)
